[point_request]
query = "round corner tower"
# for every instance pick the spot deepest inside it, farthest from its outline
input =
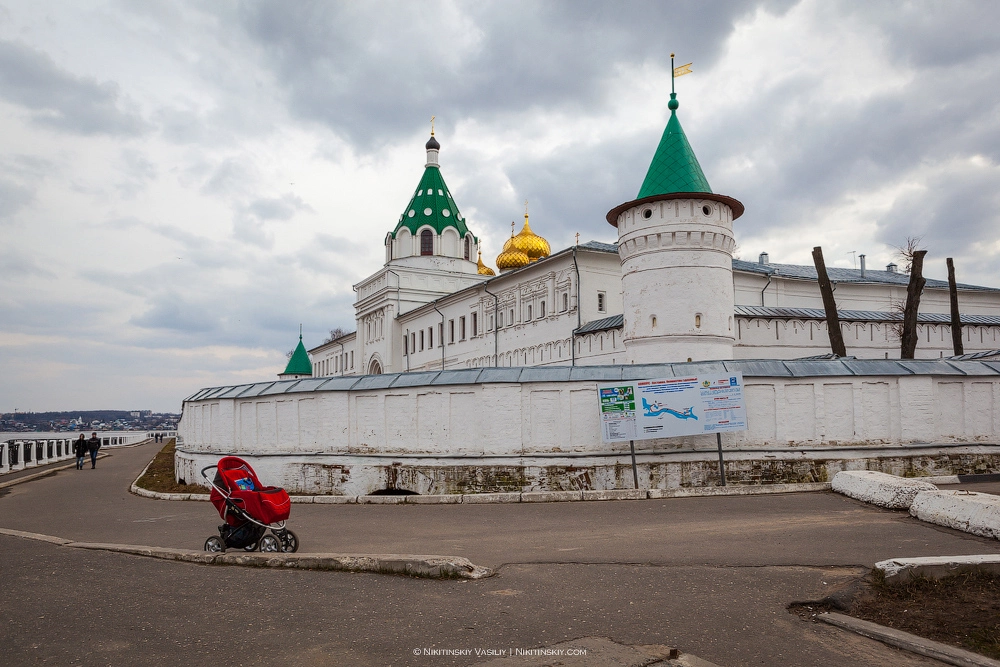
(676, 245)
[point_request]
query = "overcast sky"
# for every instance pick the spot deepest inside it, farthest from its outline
(183, 183)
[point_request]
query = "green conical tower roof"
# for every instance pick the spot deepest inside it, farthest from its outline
(674, 167)
(432, 203)
(299, 364)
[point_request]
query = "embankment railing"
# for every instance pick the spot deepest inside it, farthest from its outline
(28, 452)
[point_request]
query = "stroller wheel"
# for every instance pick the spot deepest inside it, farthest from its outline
(215, 545)
(289, 541)
(270, 543)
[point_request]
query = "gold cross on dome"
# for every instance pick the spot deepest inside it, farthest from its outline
(512, 223)
(578, 238)
(432, 125)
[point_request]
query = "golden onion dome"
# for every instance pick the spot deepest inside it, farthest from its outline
(531, 244)
(484, 270)
(511, 258)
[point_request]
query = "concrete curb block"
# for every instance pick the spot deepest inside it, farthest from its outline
(757, 490)
(908, 642)
(486, 498)
(525, 497)
(879, 488)
(551, 496)
(34, 536)
(935, 567)
(976, 513)
(941, 479)
(431, 567)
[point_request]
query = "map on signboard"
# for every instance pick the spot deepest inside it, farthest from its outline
(672, 407)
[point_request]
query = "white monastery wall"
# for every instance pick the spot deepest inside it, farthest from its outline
(530, 423)
(758, 338)
(752, 289)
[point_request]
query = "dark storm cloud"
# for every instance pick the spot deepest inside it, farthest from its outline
(60, 100)
(810, 152)
(455, 61)
(958, 211)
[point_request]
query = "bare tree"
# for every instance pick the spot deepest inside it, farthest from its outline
(829, 304)
(335, 334)
(915, 267)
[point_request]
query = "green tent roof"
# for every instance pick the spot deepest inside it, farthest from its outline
(299, 364)
(432, 204)
(674, 167)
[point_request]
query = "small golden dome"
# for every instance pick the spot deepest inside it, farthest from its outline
(511, 259)
(483, 269)
(531, 244)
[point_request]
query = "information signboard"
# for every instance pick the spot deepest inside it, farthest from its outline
(671, 407)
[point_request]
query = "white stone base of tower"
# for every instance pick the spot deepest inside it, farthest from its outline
(677, 278)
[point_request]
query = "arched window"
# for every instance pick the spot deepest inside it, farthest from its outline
(468, 247)
(426, 242)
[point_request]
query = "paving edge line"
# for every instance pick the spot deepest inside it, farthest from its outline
(430, 567)
(515, 497)
(909, 642)
(44, 473)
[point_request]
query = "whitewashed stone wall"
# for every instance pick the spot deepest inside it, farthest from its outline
(541, 432)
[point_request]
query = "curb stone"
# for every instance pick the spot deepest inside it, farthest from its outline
(431, 567)
(936, 567)
(589, 495)
(909, 642)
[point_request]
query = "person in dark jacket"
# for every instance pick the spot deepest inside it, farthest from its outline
(92, 446)
(80, 449)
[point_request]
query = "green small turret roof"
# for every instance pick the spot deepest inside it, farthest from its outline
(299, 364)
(674, 167)
(432, 203)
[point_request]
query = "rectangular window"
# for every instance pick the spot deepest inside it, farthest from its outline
(499, 319)
(421, 340)
(541, 309)
(475, 324)
(413, 341)
(406, 345)
(529, 312)
(451, 331)
(441, 334)
(600, 302)
(565, 302)
(511, 316)
(430, 337)
(352, 359)
(491, 323)
(461, 328)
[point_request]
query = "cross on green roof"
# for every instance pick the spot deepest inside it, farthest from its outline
(299, 364)
(674, 167)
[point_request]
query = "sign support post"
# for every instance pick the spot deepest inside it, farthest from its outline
(635, 473)
(722, 467)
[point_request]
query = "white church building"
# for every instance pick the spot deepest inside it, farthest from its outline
(434, 305)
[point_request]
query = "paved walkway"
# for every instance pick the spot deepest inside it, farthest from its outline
(711, 576)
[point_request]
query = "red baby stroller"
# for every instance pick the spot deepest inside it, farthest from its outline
(249, 509)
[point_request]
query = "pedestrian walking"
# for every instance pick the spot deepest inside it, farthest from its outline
(92, 446)
(80, 449)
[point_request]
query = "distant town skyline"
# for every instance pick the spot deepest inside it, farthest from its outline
(182, 185)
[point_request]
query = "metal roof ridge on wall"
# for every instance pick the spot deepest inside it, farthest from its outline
(505, 374)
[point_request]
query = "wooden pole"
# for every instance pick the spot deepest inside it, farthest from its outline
(832, 320)
(908, 345)
(956, 318)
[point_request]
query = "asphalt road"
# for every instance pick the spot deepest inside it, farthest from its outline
(711, 576)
